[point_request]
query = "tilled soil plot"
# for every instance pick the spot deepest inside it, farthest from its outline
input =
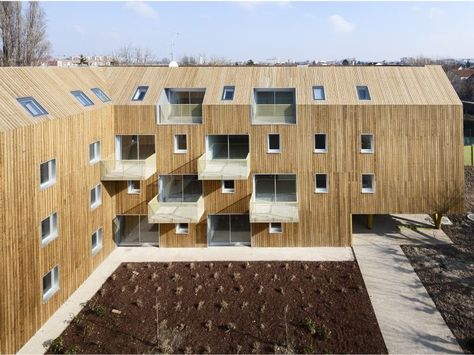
(238, 307)
(447, 271)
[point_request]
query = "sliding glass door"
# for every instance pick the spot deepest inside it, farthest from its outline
(228, 230)
(180, 188)
(135, 230)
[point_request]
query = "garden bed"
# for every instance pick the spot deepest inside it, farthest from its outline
(220, 307)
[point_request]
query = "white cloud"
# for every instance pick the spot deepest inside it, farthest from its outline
(142, 8)
(340, 24)
(79, 29)
(435, 12)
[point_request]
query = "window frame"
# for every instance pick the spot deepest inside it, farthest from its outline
(367, 190)
(179, 230)
(99, 241)
(320, 87)
(52, 174)
(360, 87)
(101, 95)
(273, 228)
(53, 229)
(228, 88)
(82, 98)
(320, 190)
(98, 196)
(271, 150)
(46, 295)
(96, 146)
(176, 142)
(226, 190)
(131, 190)
(137, 93)
(320, 151)
(372, 147)
(23, 101)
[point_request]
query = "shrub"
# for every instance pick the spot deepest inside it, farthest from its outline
(308, 350)
(310, 325)
(73, 349)
(323, 332)
(98, 310)
(57, 346)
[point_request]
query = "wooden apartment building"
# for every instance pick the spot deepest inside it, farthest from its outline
(92, 158)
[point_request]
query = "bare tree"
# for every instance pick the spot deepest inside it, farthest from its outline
(127, 55)
(36, 46)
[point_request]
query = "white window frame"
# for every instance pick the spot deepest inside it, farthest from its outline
(132, 190)
(101, 94)
(138, 91)
(99, 236)
(275, 227)
(270, 150)
(53, 229)
(54, 274)
(95, 146)
(224, 91)
(175, 142)
(182, 230)
(30, 104)
(51, 174)
(366, 87)
(367, 190)
(372, 148)
(320, 190)
(227, 190)
(319, 87)
(98, 197)
(325, 150)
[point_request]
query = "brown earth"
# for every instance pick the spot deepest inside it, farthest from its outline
(227, 308)
(447, 271)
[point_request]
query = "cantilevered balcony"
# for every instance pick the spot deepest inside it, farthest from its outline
(274, 106)
(134, 159)
(274, 199)
(226, 158)
(180, 106)
(179, 201)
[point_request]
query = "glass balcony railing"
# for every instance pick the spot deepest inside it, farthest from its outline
(175, 212)
(120, 170)
(275, 114)
(262, 211)
(223, 169)
(180, 113)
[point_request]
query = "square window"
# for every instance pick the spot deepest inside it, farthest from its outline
(366, 143)
(320, 143)
(363, 93)
(47, 173)
(321, 183)
(50, 283)
(32, 106)
(275, 228)
(368, 183)
(96, 196)
(273, 143)
(318, 93)
(94, 152)
(180, 143)
(228, 93)
(100, 94)
(49, 229)
(133, 187)
(82, 98)
(96, 241)
(182, 228)
(140, 93)
(228, 186)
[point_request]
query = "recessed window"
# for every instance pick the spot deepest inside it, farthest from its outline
(49, 229)
(180, 143)
(318, 93)
(228, 93)
(96, 196)
(96, 241)
(133, 187)
(228, 186)
(47, 173)
(275, 228)
(182, 228)
(366, 143)
(363, 93)
(100, 94)
(273, 143)
(32, 106)
(368, 183)
(140, 93)
(82, 98)
(320, 143)
(94, 152)
(321, 183)
(50, 283)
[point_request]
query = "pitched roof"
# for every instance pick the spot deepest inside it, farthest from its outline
(464, 73)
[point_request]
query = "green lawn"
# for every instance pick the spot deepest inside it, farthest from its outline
(467, 155)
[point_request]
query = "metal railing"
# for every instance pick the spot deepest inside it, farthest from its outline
(268, 211)
(275, 113)
(175, 212)
(180, 113)
(223, 169)
(119, 170)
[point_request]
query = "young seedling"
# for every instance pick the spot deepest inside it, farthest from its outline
(180, 327)
(229, 265)
(139, 303)
(230, 326)
(176, 277)
(240, 288)
(223, 305)
(323, 332)
(247, 265)
(310, 325)
(260, 289)
(178, 290)
(188, 350)
(215, 275)
(220, 289)
(262, 326)
(238, 349)
(168, 265)
(153, 276)
(244, 305)
(263, 307)
(206, 349)
(122, 289)
(236, 276)
(275, 277)
(305, 266)
(256, 347)
(269, 266)
(148, 266)
(300, 290)
(129, 266)
(196, 276)
(255, 276)
(113, 277)
(287, 266)
(135, 290)
(192, 266)
(158, 289)
(178, 306)
(211, 265)
(197, 289)
(208, 325)
(200, 305)
(102, 292)
(292, 278)
(280, 290)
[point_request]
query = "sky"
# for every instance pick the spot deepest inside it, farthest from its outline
(260, 31)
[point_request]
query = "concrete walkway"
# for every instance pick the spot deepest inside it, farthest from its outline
(408, 318)
(61, 318)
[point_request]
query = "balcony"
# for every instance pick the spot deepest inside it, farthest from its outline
(275, 114)
(175, 211)
(180, 113)
(112, 169)
(268, 212)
